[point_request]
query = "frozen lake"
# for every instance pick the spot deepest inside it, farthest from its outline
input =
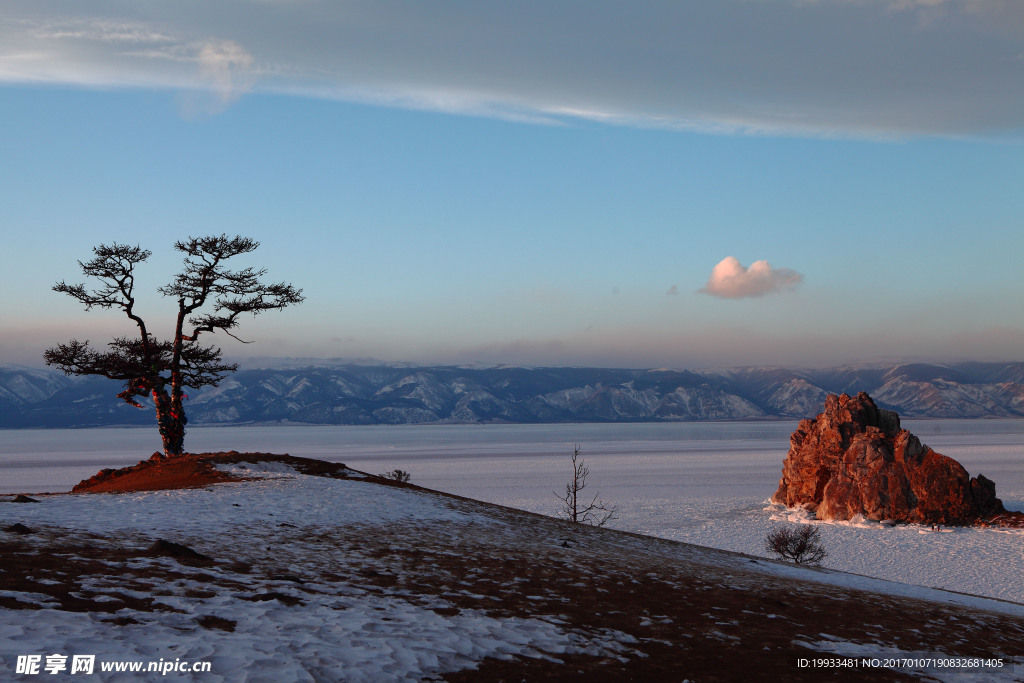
(703, 483)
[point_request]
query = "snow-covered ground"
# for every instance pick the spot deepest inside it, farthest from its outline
(713, 491)
(341, 632)
(700, 483)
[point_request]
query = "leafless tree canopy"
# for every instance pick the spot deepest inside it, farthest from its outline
(802, 545)
(575, 507)
(210, 298)
(397, 475)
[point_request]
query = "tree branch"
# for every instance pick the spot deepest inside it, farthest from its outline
(113, 266)
(596, 513)
(147, 365)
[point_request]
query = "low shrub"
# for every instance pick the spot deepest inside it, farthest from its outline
(397, 475)
(802, 545)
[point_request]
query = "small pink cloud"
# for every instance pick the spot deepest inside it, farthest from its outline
(731, 280)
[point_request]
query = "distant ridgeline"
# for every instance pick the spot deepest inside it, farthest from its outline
(401, 394)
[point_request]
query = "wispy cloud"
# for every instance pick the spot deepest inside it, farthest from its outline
(226, 68)
(807, 67)
(95, 30)
(111, 51)
(731, 280)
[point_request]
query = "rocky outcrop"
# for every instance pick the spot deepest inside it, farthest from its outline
(854, 459)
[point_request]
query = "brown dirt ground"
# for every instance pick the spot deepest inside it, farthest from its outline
(191, 470)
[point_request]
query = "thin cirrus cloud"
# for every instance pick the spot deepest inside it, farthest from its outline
(731, 280)
(104, 52)
(871, 68)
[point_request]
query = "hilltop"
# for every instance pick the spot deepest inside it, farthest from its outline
(292, 569)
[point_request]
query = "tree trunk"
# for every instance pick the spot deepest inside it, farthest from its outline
(171, 420)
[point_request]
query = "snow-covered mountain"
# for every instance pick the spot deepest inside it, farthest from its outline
(398, 394)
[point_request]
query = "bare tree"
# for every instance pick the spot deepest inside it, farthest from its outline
(574, 506)
(802, 545)
(162, 368)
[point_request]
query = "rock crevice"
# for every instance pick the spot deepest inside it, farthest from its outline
(855, 459)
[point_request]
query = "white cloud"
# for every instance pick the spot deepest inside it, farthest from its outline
(834, 67)
(731, 280)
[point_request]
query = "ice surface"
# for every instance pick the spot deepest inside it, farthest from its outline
(703, 483)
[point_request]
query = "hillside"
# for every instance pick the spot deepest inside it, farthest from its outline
(300, 570)
(401, 394)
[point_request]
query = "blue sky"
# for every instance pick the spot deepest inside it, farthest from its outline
(622, 184)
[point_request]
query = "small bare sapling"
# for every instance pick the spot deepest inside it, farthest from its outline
(575, 507)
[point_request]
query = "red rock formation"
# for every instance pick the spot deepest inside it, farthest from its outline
(855, 459)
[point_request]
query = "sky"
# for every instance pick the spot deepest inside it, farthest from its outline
(584, 183)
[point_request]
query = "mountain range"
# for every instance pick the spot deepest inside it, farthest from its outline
(359, 393)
